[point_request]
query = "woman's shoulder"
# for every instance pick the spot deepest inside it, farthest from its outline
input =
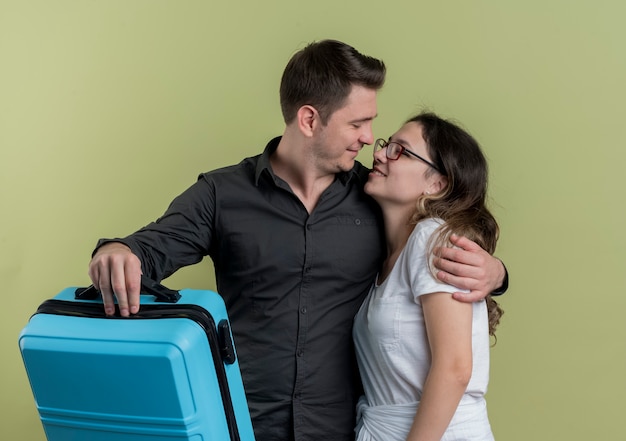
(426, 227)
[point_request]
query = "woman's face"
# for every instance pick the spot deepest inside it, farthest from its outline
(404, 180)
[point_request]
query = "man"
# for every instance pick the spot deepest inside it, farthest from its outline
(295, 244)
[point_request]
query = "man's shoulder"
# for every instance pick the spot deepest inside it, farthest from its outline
(248, 168)
(234, 171)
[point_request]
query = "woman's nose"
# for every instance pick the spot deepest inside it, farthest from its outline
(380, 155)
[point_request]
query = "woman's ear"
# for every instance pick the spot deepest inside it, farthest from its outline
(307, 118)
(438, 184)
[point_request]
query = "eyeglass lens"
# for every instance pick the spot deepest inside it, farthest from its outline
(394, 150)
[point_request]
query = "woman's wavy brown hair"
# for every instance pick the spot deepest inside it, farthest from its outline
(462, 204)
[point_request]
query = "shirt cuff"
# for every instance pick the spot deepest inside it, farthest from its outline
(505, 283)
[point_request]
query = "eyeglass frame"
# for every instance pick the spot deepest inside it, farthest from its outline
(381, 143)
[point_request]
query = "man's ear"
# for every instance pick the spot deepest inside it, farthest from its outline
(308, 119)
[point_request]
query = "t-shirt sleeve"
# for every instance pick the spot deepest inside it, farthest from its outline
(418, 258)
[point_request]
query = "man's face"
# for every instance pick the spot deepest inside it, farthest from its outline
(347, 131)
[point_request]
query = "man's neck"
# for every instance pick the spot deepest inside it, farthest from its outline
(290, 163)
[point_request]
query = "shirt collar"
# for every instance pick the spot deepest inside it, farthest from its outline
(264, 159)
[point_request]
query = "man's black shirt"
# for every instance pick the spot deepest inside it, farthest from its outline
(292, 283)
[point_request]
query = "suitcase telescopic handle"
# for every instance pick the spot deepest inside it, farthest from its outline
(148, 286)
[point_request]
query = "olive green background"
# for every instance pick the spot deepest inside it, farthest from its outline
(109, 109)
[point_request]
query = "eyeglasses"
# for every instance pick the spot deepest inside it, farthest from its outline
(395, 149)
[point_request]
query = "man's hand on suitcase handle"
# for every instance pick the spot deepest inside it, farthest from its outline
(115, 271)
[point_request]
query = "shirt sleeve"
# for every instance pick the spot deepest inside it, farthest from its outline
(418, 258)
(181, 237)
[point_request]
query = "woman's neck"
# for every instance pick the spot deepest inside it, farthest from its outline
(397, 232)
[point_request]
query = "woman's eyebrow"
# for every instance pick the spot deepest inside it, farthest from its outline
(400, 141)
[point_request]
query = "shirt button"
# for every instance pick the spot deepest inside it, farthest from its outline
(303, 310)
(300, 353)
(357, 221)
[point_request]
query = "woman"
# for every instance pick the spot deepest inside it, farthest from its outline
(423, 356)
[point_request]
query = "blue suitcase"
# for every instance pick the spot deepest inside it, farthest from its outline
(168, 373)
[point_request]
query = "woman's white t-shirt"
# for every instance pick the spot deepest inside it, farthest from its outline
(390, 336)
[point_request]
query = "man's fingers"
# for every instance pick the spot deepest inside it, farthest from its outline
(118, 285)
(464, 243)
(467, 266)
(459, 270)
(461, 282)
(469, 297)
(132, 272)
(459, 256)
(116, 272)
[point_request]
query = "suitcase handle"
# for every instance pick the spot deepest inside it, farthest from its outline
(148, 286)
